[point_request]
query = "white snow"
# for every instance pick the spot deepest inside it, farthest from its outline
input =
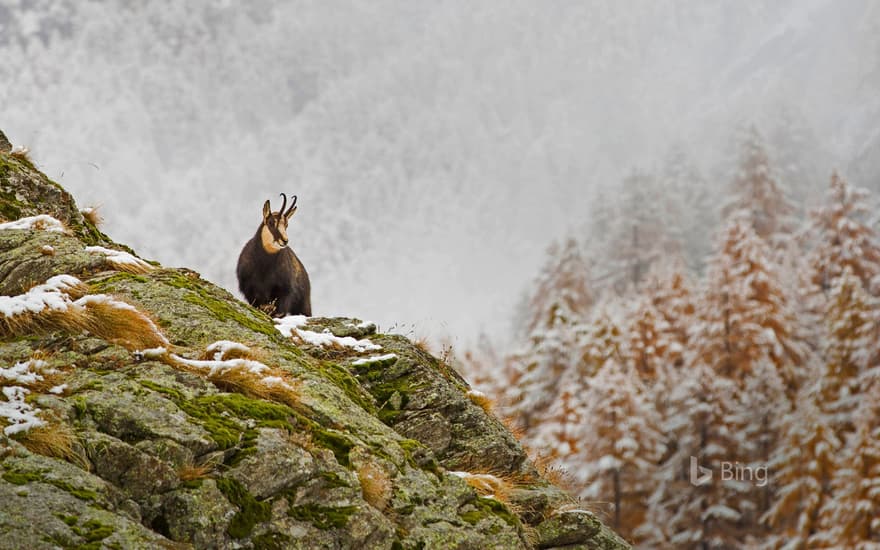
(216, 367)
(41, 222)
(289, 326)
(119, 257)
(59, 389)
(221, 347)
(24, 373)
(49, 295)
(20, 415)
(104, 299)
(375, 359)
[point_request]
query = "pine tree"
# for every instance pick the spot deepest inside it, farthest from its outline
(639, 234)
(647, 346)
(850, 320)
(550, 350)
(756, 191)
(844, 238)
(596, 342)
(802, 468)
(619, 443)
(744, 316)
(690, 212)
(705, 422)
(852, 518)
(671, 293)
(564, 279)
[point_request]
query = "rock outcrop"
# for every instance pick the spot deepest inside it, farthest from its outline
(144, 407)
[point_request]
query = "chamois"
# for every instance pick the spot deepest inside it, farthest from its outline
(269, 273)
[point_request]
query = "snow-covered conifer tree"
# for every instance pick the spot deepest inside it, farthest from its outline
(618, 444)
(844, 238)
(706, 424)
(851, 519)
(755, 190)
(802, 468)
(850, 335)
(744, 316)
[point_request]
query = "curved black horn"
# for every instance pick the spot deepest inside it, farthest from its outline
(292, 205)
(283, 204)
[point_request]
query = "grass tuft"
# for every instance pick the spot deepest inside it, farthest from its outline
(93, 215)
(122, 324)
(55, 439)
(376, 485)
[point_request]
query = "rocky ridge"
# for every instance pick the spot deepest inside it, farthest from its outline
(144, 407)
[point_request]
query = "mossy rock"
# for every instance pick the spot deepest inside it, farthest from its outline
(142, 451)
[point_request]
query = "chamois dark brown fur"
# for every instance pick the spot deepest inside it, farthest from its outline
(269, 273)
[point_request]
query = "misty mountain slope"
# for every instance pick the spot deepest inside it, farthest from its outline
(436, 149)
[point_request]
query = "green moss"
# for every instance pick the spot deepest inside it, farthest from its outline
(174, 394)
(338, 443)
(107, 284)
(222, 416)
(323, 517)
(191, 483)
(271, 541)
(17, 477)
(82, 494)
(93, 530)
(486, 507)
(80, 407)
(392, 395)
(333, 480)
(21, 478)
(69, 520)
(348, 384)
(9, 210)
(250, 510)
(223, 310)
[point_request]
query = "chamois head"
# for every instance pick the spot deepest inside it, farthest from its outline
(274, 230)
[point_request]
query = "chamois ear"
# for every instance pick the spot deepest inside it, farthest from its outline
(292, 209)
(266, 210)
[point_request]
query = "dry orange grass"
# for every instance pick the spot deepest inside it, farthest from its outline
(271, 384)
(93, 214)
(234, 352)
(483, 401)
(422, 343)
(137, 268)
(241, 380)
(22, 153)
(63, 315)
(548, 470)
(376, 485)
(189, 472)
(515, 429)
(45, 321)
(121, 324)
(55, 439)
(487, 484)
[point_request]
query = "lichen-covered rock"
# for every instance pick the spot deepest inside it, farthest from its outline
(232, 435)
(5, 145)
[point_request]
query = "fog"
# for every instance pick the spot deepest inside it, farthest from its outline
(437, 148)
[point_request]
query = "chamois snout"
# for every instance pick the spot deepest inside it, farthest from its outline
(269, 273)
